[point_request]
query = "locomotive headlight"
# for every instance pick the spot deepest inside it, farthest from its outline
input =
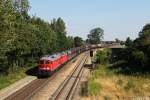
(47, 68)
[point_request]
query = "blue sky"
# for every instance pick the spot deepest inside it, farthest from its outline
(118, 18)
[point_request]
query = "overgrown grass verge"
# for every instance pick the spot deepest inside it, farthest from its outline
(107, 84)
(93, 87)
(117, 80)
(6, 80)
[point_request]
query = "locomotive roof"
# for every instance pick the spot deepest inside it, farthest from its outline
(51, 57)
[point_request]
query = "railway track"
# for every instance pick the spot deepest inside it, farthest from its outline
(27, 92)
(68, 87)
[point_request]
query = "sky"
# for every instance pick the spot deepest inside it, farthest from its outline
(118, 18)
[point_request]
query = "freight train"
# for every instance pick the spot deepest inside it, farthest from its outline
(50, 63)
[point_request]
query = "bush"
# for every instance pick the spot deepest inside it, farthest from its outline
(102, 56)
(139, 58)
(93, 87)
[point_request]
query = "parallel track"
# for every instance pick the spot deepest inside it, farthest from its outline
(28, 91)
(67, 88)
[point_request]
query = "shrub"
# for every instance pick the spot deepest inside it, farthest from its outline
(93, 87)
(139, 58)
(102, 56)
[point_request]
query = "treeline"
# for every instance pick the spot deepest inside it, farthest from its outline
(23, 39)
(137, 53)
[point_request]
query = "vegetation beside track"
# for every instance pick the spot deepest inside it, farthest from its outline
(12, 77)
(25, 38)
(114, 81)
(107, 83)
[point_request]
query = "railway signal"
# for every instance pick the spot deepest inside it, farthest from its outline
(91, 53)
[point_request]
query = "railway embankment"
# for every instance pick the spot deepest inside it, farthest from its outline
(16, 86)
(32, 88)
(115, 81)
(17, 74)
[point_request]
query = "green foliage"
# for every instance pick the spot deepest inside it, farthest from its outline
(95, 36)
(93, 87)
(25, 39)
(142, 43)
(119, 82)
(78, 41)
(139, 58)
(100, 71)
(102, 56)
(138, 51)
(59, 28)
(14, 76)
(129, 42)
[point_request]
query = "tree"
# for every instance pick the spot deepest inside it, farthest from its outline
(140, 59)
(117, 40)
(138, 51)
(21, 6)
(24, 39)
(7, 34)
(129, 42)
(143, 42)
(70, 42)
(58, 26)
(78, 41)
(95, 36)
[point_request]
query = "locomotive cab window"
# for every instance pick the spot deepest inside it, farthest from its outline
(41, 61)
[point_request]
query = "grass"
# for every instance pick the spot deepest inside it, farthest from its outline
(107, 84)
(6, 80)
(118, 81)
(93, 87)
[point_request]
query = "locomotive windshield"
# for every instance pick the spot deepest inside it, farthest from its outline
(41, 61)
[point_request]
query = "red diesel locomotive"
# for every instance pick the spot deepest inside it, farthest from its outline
(50, 63)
